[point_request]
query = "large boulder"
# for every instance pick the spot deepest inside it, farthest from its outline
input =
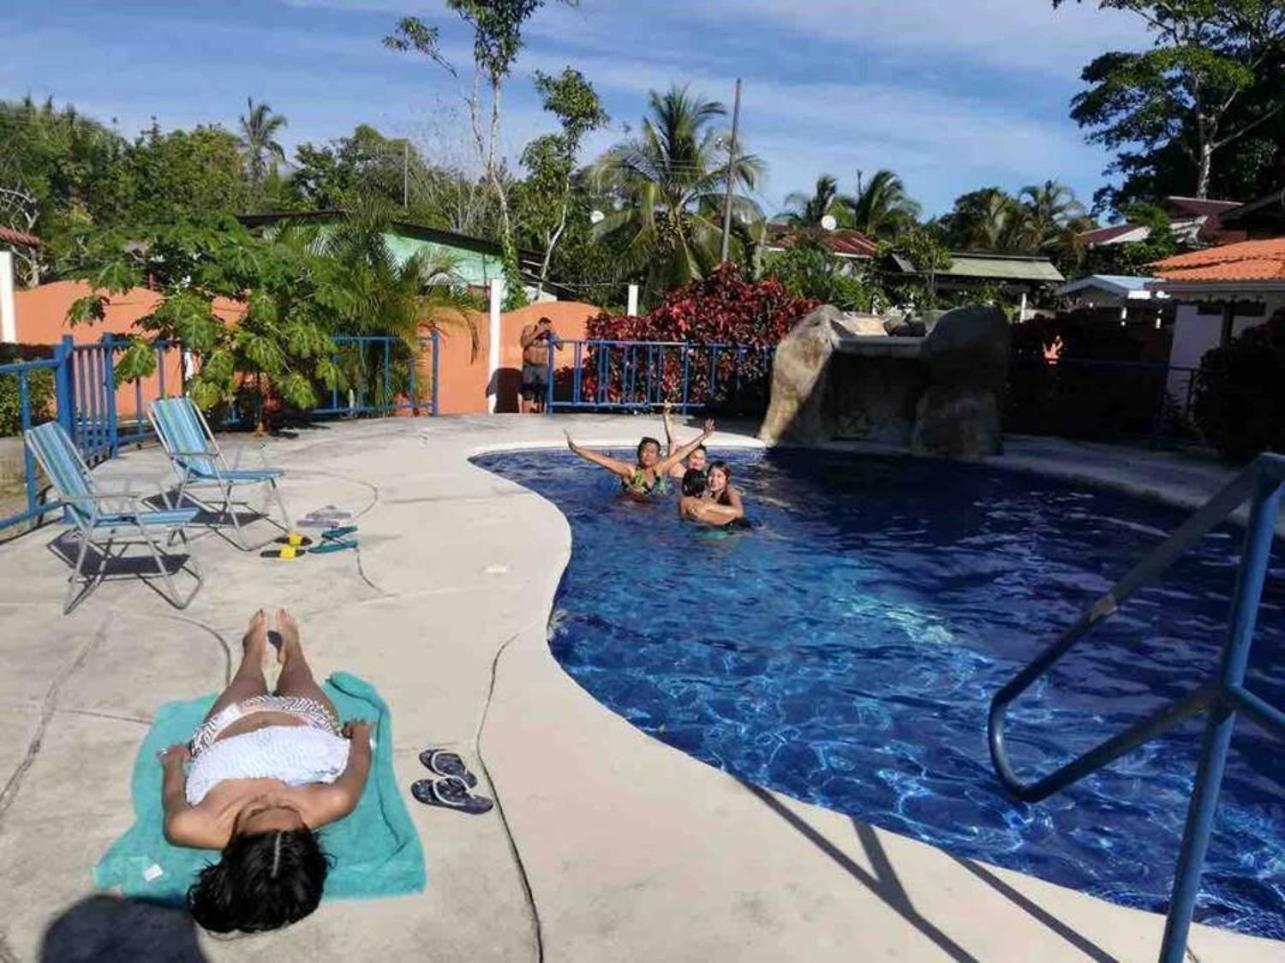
(958, 415)
(800, 379)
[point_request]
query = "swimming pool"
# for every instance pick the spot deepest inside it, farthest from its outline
(844, 652)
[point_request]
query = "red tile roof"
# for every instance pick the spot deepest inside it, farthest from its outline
(9, 236)
(840, 241)
(1243, 261)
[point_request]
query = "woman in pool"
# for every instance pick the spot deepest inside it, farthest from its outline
(719, 504)
(696, 461)
(649, 476)
(266, 771)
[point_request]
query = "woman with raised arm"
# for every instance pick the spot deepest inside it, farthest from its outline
(649, 475)
(696, 461)
(719, 504)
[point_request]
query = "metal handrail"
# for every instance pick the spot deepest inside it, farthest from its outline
(1222, 697)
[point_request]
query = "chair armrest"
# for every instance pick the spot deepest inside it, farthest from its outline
(240, 450)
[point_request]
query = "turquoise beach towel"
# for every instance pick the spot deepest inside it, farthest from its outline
(375, 848)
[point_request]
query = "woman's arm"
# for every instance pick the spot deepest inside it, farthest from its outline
(669, 429)
(675, 457)
(185, 825)
(339, 798)
(623, 469)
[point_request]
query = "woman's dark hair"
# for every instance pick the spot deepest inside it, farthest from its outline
(648, 440)
(263, 882)
(693, 481)
(721, 466)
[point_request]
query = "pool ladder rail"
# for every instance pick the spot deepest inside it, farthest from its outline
(1222, 698)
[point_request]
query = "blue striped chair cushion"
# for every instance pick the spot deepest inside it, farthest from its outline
(179, 426)
(60, 460)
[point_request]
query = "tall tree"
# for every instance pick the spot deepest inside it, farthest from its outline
(883, 209)
(497, 39)
(1208, 58)
(258, 144)
(550, 159)
(807, 210)
(989, 219)
(668, 185)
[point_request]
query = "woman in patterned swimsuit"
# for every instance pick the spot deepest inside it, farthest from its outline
(266, 771)
(649, 476)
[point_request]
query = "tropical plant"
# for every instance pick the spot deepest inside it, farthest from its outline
(808, 210)
(810, 271)
(258, 144)
(670, 184)
(989, 219)
(279, 339)
(882, 209)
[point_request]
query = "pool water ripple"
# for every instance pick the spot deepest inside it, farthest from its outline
(845, 651)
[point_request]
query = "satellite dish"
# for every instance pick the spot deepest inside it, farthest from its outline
(596, 217)
(829, 223)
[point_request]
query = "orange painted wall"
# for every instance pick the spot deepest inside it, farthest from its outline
(42, 319)
(41, 315)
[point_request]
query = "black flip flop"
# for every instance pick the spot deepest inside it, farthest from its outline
(450, 793)
(304, 541)
(447, 763)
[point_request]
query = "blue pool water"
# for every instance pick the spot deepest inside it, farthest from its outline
(845, 650)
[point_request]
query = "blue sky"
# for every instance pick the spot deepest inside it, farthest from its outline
(952, 94)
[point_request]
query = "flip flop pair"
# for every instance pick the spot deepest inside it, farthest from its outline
(450, 789)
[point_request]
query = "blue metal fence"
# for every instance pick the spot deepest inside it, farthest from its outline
(1220, 699)
(86, 395)
(386, 386)
(615, 375)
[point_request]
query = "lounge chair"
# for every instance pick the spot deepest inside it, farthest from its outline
(199, 463)
(104, 519)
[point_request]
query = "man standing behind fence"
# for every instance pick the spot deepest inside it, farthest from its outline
(537, 341)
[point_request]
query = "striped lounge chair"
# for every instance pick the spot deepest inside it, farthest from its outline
(106, 519)
(200, 466)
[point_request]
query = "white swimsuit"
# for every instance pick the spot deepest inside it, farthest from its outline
(296, 755)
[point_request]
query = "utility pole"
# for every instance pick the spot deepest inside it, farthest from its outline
(731, 166)
(406, 173)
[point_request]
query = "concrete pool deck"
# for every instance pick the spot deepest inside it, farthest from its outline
(607, 845)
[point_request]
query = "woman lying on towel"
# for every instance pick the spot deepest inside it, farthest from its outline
(266, 771)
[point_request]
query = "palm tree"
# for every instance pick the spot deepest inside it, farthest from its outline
(259, 149)
(807, 210)
(883, 209)
(1054, 218)
(989, 219)
(669, 183)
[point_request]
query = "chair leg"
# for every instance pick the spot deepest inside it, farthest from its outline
(70, 597)
(158, 556)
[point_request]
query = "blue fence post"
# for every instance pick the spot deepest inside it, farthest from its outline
(24, 417)
(436, 367)
(687, 372)
(64, 392)
(109, 394)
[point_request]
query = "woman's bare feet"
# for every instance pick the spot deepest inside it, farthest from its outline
(288, 629)
(256, 635)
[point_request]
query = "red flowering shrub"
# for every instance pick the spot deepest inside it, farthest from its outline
(733, 325)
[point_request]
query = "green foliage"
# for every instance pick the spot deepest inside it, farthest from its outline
(183, 175)
(666, 189)
(1239, 405)
(1136, 258)
(1211, 78)
(883, 210)
(808, 270)
(543, 201)
(40, 396)
(258, 145)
